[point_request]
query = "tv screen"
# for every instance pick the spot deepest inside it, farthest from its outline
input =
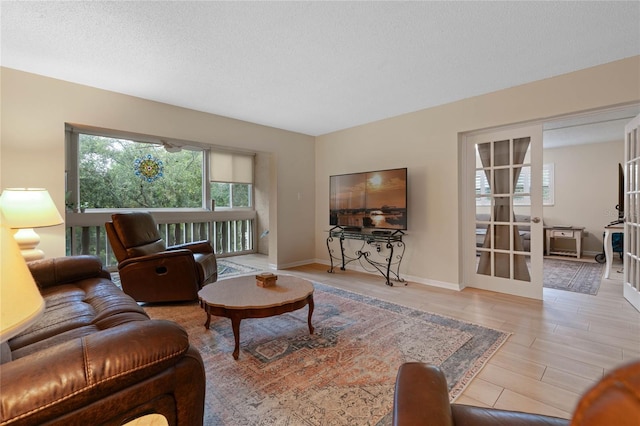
(376, 200)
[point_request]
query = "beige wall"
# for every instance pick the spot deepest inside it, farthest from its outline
(427, 142)
(35, 109)
(586, 189)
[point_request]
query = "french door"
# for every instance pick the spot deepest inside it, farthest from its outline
(631, 258)
(502, 222)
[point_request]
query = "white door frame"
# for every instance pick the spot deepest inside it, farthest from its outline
(532, 289)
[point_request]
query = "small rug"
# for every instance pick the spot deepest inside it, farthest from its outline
(342, 374)
(579, 277)
(228, 268)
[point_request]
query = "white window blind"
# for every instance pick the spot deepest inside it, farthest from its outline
(523, 186)
(231, 167)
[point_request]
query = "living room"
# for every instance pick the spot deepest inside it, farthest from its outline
(36, 107)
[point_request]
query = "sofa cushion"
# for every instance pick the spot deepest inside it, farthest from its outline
(75, 310)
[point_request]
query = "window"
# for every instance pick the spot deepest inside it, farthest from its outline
(523, 186)
(107, 170)
(115, 170)
(231, 195)
(231, 179)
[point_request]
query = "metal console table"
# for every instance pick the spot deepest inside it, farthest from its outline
(381, 249)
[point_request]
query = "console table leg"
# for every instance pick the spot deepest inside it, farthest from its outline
(608, 251)
(390, 247)
(329, 240)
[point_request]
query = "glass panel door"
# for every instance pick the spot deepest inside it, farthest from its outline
(505, 211)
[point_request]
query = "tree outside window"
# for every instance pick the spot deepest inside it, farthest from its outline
(231, 195)
(118, 173)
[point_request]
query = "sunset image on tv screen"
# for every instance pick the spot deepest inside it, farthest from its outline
(376, 199)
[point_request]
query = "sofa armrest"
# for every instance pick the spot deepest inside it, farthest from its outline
(62, 270)
(71, 375)
(195, 247)
(421, 396)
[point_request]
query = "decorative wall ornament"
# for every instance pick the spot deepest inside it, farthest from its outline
(148, 168)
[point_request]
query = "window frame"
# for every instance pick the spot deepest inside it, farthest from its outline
(231, 187)
(72, 183)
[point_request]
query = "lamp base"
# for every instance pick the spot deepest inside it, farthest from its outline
(27, 241)
(32, 254)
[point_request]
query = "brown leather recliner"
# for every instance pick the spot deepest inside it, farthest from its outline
(422, 398)
(152, 272)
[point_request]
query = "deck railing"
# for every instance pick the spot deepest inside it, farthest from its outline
(230, 232)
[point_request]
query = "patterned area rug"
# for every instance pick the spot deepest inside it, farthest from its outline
(343, 374)
(579, 277)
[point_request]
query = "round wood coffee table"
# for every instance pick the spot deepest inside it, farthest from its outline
(239, 298)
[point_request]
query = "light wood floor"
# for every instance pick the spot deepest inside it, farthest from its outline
(559, 347)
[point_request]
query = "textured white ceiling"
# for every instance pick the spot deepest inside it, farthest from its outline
(313, 67)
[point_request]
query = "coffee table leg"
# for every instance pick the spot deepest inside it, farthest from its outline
(208, 322)
(235, 325)
(310, 313)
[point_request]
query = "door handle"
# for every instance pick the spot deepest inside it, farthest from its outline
(535, 219)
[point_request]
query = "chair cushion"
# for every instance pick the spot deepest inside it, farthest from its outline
(151, 248)
(136, 229)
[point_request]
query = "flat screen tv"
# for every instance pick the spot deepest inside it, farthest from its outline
(369, 200)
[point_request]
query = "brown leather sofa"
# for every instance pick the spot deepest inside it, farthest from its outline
(422, 398)
(95, 357)
(152, 272)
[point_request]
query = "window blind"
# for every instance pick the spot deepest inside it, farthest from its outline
(230, 167)
(523, 185)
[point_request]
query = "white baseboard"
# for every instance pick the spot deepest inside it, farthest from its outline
(292, 264)
(410, 278)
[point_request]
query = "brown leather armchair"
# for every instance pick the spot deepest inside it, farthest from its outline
(422, 398)
(152, 272)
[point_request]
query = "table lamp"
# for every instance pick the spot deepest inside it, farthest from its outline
(25, 209)
(20, 301)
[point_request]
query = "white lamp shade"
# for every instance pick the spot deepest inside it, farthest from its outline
(29, 208)
(20, 301)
